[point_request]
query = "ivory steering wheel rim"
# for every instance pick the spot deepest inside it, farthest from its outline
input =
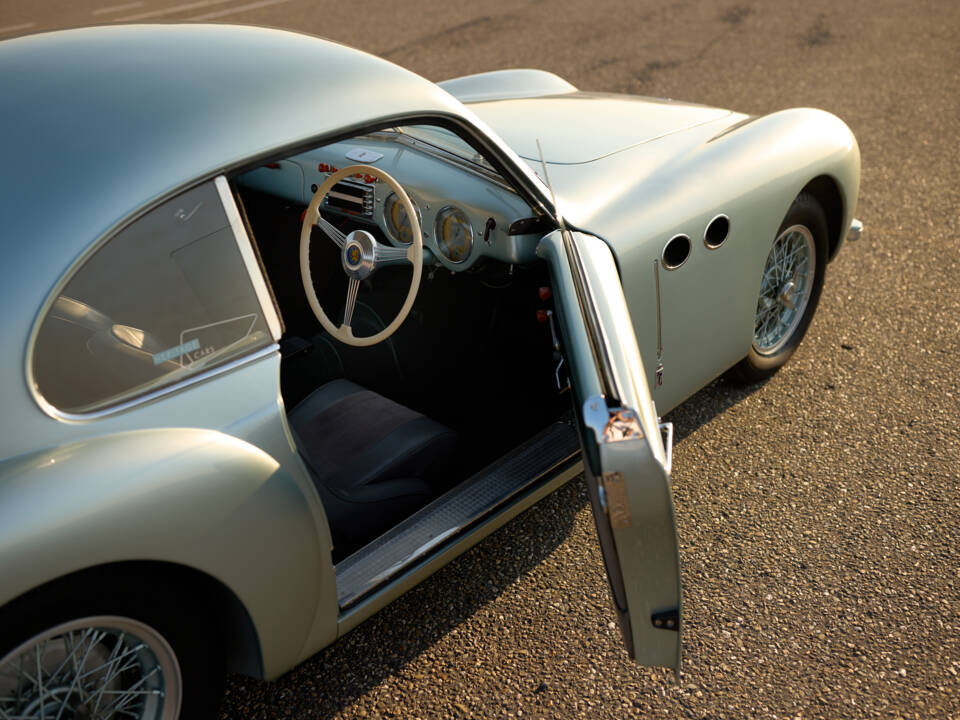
(360, 256)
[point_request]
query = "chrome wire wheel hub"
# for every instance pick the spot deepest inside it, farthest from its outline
(785, 290)
(97, 668)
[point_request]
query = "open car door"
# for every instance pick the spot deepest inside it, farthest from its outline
(625, 462)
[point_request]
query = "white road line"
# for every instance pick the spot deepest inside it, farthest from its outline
(238, 9)
(171, 10)
(117, 8)
(15, 28)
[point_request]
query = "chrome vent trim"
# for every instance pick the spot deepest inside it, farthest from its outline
(354, 198)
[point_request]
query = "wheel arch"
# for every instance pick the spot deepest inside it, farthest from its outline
(826, 191)
(234, 625)
(175, 497)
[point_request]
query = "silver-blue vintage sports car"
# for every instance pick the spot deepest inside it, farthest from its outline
(286, 328)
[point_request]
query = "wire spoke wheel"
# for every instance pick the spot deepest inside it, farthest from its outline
(789, 293)
(785, 290)
(96, 668)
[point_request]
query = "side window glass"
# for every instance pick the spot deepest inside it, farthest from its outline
(166, 297)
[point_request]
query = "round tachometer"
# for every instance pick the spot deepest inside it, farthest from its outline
(398, 224)
(454, 234)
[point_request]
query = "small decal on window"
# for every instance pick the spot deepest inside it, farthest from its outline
(216, 335)
(175, 352)
(183, 215)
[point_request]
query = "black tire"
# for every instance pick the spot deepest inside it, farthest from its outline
(140, 604)
(759, 365)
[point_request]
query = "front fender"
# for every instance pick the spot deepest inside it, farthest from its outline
(639, 198)
(655, 186)
(193, 497)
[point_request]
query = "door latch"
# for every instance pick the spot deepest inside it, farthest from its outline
(557, 354)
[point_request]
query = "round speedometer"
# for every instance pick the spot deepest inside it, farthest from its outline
(454, 234)
(398, 224)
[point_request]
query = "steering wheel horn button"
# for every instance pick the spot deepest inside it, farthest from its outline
(359, 254)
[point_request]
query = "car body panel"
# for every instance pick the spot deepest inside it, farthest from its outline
(217, 495)
(640, 197)
(192, 497)
(627, 122)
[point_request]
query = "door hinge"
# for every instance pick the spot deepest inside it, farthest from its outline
(611, 424)
(617, 503)
(666, 619)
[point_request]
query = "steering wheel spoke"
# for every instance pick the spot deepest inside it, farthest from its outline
(386, 255)
(352, 287)
(331, 230)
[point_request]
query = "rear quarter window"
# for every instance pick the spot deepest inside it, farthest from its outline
(165, 298)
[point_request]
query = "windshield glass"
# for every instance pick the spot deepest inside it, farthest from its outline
(445, 140)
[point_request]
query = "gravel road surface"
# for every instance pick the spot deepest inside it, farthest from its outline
(818, 513)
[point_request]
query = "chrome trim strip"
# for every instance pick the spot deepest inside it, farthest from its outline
(600, 348)
(480, 496)
(656, 282)
(246, 252)
(159, 392)
(611, 385)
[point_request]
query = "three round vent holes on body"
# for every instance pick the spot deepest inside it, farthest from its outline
(677, 250)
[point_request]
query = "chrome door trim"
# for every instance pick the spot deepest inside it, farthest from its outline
(599, 343)
(249, 260)
(159, 392)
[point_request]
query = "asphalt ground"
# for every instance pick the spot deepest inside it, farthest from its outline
(818, 512)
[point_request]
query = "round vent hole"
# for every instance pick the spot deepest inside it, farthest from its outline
(676, 252)
(717, 231)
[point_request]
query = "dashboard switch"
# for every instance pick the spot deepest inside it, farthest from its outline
(491, 225)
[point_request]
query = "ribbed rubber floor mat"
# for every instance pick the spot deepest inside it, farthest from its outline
(452, 513)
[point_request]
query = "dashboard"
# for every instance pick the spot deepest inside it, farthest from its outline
(464, 208)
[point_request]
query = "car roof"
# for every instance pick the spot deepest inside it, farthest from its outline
(99, 122)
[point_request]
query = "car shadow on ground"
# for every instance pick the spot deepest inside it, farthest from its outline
(385, 644)
(715, 399)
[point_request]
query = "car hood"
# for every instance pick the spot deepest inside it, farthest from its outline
(603, 124)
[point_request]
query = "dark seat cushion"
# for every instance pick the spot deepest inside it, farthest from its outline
(371, 458)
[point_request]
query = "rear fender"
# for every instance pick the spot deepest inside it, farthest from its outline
(197, 498)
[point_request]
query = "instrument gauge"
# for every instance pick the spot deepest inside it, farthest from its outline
(398, 224)
(454, 234)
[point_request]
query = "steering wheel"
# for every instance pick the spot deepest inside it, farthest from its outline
(360, 256)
